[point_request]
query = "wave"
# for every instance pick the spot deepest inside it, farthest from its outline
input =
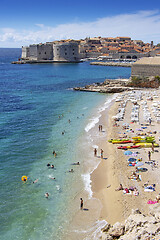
(95, 120)
(94, 232)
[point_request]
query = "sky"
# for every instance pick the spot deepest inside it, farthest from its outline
(26, 22)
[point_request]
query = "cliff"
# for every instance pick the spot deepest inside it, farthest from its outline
(136, 226)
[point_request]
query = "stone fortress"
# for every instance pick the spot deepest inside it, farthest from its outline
(51, 52)
(69, 50)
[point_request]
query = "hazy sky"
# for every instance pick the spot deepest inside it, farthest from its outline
(26, 22)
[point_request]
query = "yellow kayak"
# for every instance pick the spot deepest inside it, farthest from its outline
(147, 145)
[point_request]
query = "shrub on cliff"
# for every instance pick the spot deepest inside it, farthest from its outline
(144, 82)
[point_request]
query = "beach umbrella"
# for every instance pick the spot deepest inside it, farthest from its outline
(132, 160)
(127, 152)
(139, 164)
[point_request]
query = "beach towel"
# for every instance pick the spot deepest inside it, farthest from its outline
(151, 202)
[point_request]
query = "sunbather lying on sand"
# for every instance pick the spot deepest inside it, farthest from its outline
(120, 188)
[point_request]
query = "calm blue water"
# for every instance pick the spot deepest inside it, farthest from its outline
(36, 102)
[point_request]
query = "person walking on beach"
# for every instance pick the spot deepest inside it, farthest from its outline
(81, 204)
(149, 155)
(99, 127)
(95, 152)
(101, 153)
(152, 147)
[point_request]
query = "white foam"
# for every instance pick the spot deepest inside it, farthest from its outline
(95, 120)
(94, 232)
(97, 233)
(94, 146)
(92, 123)
(87, 182)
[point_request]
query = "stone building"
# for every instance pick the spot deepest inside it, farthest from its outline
(53, 51)
(67, 52)
(146, 67)
(41, 52)
(25, 52)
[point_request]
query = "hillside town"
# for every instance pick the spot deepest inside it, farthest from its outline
(100, 48)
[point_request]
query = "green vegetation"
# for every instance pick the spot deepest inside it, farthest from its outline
(136, 81)
(157, 78)
(144, 82)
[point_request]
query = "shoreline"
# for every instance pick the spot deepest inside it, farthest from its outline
(108, 181)
(105, 205)
(114, 170)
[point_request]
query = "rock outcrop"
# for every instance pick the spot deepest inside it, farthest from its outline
(136, 226)
(120, 85)
(108, 86)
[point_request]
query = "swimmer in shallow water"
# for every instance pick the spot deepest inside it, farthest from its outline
(46, 194)
(71, 170)
(35, 181)
(77, 163)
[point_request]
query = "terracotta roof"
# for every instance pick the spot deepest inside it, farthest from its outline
(124, 50)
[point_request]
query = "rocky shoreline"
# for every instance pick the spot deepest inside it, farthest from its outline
(108, 86)
(114, 64)
(136, 226)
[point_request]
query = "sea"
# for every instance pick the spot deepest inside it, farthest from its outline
(41, 113)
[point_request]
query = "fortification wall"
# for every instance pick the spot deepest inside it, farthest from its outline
(25, 52)
(145, 70)
(33, 51)
(66, 52)
(45, 52)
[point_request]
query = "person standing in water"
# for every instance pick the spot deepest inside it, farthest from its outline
(81, 204)
(101, 153)
(95, 152)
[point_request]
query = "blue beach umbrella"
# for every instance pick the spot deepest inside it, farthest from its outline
(132, 160)
(127, 152)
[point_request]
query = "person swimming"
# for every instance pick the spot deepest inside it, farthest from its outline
(46, 194)
(35, 181)
(77, 163)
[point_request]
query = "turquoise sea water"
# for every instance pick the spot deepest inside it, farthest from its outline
(36, 103)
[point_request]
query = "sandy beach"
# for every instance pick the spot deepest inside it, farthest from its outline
(107, 205)
(114, 170)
